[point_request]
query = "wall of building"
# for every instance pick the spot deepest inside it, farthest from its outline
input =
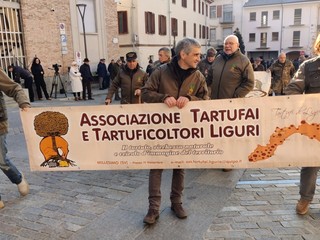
(147, 45)
(41, 21)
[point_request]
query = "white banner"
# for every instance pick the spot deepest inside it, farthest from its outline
(232, 133)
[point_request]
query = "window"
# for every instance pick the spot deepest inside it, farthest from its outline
(296, 39)
(184, 3)
(297, 16)
(122, 22)
(199, 31)
(195, 30)
(203, 32)
(162, 25)
(207, 32)
(11, 38)
(174, 27)
(226, 32)
(202, 8)
(227, 13)
(264, 19)
(253, 16)
(206, 10)
(194, 5)
(213, 11)
(149, 22)
(275, 36)
(276, 14)
(252, 37)
(263, 39)
(174, 1)
(184, 28)
(213, 34)
(199, 6)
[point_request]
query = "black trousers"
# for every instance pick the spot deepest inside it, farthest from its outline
(28, 84)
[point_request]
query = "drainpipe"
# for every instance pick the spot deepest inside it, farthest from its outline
(281, 30)
(132, 26)
(169, 20)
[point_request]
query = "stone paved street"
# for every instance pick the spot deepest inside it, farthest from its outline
(241, 204)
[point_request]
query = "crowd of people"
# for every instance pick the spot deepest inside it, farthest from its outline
(224, 75)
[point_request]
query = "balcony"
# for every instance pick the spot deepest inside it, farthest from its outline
(263, 26)
(227, 19)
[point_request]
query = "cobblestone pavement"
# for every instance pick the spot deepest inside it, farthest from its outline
(262, 206)
(242, 204)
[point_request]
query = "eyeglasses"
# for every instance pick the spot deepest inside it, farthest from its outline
(230, 43)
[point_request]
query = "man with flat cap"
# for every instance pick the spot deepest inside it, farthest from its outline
(86, 79)
(130, 79)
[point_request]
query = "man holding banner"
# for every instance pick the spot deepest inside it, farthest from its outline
(231, 74)
(306, 80)
(175, 84)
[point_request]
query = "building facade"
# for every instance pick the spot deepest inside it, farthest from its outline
(289, 26)
(53, 31)
(225, 17)
(146, 26)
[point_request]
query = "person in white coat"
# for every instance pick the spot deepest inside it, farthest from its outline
(75, 79)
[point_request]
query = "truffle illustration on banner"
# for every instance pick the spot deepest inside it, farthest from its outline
(54, 148)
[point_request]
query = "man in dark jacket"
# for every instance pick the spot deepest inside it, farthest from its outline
(205, 64)
(86, 79)
(130, 79)
(231, 75)
(282, 71)
(164, 55)
(14, 90)
(103, 75)
(306, 81)
(19, 72)
(174, 84)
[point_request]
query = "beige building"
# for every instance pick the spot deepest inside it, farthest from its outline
(53, 31)
(146, 26)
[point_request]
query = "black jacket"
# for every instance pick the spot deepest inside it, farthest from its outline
(86, 72)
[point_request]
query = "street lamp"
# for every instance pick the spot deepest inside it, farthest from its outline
(82, 11)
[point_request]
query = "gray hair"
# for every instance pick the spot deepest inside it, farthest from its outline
(166, 51)
(233, 37)
(186, 45)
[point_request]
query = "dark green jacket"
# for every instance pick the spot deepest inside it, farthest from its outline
(129, 81)
(231, 76)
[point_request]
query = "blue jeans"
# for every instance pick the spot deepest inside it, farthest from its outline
(6, 165)
(308, 181)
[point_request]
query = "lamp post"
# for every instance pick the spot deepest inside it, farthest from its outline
(82, 11)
